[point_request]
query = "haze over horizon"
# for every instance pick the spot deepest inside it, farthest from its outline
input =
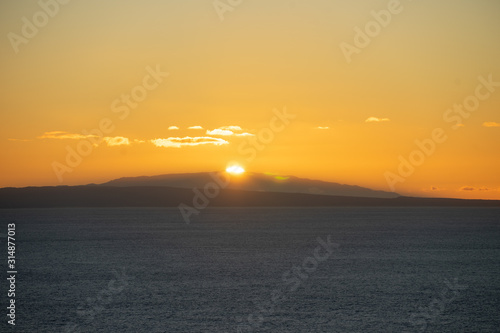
(121, 89)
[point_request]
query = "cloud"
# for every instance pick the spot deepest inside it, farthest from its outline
(245, 134)
(64, 135)
(376, 120)
(61, 135)
(472, 188)
(116, 141)
(225, 131)
(23, 140)
(188, 141)
(467, 188)
(433, 189)
(491, 124)
(231, 128)
(219, 131)
(173, 128)
(195, 127)
(323, 127)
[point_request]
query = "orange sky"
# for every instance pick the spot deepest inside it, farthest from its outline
(360, 83)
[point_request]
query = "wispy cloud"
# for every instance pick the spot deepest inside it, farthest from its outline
(116, 141)
(376, 120)
(467, 188)
(175, 142)
(61, 135)
(195, 127)
(188, 141)
(219, 131)
(22, 140)
(228, 131)
(171, 128)
(231, 128)
(472, 188)
(491, 124)
(323, 127)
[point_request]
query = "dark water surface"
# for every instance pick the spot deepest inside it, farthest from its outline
(255, 270)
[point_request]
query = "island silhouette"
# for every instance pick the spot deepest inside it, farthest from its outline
(217, 189)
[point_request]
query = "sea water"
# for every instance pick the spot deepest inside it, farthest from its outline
(254, 270)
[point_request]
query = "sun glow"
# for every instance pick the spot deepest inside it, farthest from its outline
(235, 169)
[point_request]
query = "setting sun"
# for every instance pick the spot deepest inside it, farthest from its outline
(235, 169)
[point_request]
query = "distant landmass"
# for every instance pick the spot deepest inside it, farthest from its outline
(252, 182)
(256, 190)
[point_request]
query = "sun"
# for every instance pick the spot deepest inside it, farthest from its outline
(235, 169)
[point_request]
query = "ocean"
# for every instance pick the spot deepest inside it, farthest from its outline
(254, 270)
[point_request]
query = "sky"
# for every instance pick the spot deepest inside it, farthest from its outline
(390, 95)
